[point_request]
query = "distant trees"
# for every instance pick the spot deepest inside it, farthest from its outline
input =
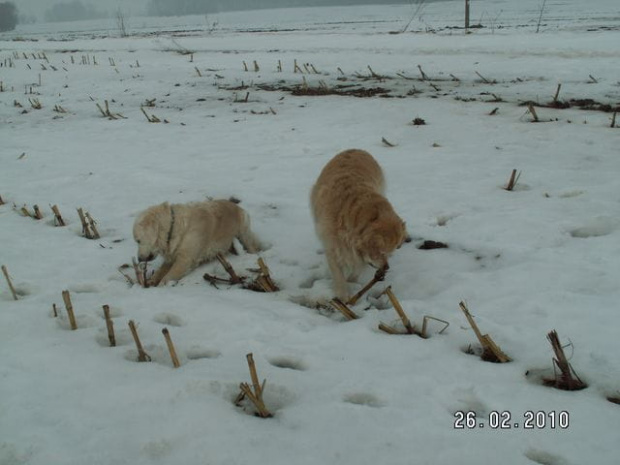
(72, 11)
(8, 16)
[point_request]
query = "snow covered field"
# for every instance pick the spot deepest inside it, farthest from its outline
(544, 256)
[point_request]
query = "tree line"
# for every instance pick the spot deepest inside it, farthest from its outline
(8, 16)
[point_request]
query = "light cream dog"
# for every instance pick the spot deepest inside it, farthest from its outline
(353, 219)
(187, 235)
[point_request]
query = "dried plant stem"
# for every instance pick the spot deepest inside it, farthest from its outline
(57, 216)
(613, 122)
(234, 278)
(37, 212)
(425, 325)
(557, 93)
(565, 379)
(151, 118)
(485, 80)
(107, 114)
(85, 228)
(256, 396)
(5, 272)
(342, 308)
(142, 355)
(93, 226)
(379, 276)
(388, 329)
(512, 182)
(491, 350)
(530, 107)
(264, 280)
(254, 375)
(387, 143)
(171, 349)
(399, 309)
(25, 212)
(109, 325)
(66, 297)
(422, 73)
(373, 74)
(140, 274)
(54, 310)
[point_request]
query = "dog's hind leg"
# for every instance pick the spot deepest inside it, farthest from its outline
(248, 239)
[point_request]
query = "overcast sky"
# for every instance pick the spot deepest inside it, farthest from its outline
(137, 7)
(38, 7)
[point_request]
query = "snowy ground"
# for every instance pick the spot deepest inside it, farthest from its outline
(542, 257)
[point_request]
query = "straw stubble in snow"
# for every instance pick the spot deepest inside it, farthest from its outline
(526, 261)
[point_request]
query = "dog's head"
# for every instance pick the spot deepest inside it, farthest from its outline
(150, 231)
(383, 238)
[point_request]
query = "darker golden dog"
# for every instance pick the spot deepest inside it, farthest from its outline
(353, 219)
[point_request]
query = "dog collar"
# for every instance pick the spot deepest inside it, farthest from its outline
(171, 225)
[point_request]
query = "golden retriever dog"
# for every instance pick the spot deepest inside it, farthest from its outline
(187, 235)
(353, 219)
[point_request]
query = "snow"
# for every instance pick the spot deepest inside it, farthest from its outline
(542, 257)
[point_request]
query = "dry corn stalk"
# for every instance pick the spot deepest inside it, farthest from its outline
(150, 118)
(512, 182)
(388, 329)
(263, 282)
(89, 229)
(93, 225)
(234, 278)
(344, 309)
(567, 379)
(142, 355)
(109, 325)
(530, 107)
(37, 213)
(24, 211)
(379, 276)
(425, 325)
(66, 297)
(490, 350)
(57, 216)
(409, 328)
(255, 392)
(5, 272)
(141, 273)
(107, 114)
(399, 309)
(171, 349)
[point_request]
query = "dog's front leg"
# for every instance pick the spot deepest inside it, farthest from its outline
(340, 286)
(179, 268)
(159, 274)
